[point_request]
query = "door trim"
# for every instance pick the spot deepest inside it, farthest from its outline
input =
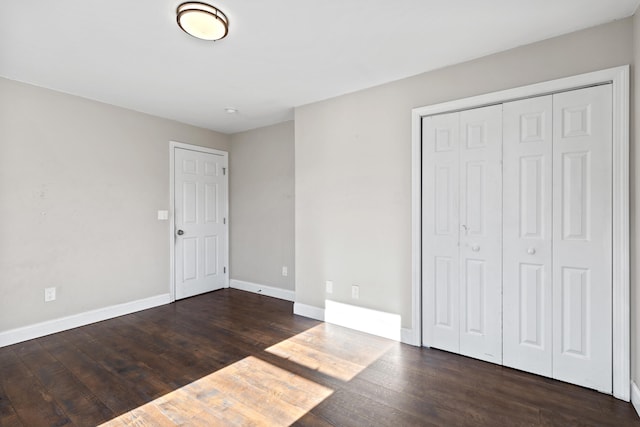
(172, 225)
(619, 78)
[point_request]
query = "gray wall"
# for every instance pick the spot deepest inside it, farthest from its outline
(353, 157)
(80, 186)
(261, 203)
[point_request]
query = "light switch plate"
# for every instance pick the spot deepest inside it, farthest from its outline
(163, 215)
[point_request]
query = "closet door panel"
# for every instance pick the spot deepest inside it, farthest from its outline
(481, 233)
(527, 235)
(582, 294)
(440, 231)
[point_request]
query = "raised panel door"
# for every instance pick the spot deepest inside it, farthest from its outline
(582, 245)
(481, 233)
(200, 207)
(527, 229)
(440, 231)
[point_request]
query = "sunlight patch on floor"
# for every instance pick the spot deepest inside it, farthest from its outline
(341, 355)
(248, 392)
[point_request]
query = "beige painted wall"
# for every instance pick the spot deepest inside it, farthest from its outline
(261, 205)
(80, 186)
(353, 164)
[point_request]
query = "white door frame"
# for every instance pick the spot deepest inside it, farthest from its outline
(619, 78)
(172, 220)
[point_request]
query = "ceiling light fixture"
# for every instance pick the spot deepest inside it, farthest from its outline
(202, 21)
(231, 110)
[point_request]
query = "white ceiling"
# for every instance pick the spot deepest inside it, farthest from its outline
(279, 53)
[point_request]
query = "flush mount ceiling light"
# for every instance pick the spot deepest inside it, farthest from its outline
(202, 21)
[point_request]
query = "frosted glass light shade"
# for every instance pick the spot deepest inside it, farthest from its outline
(202, 21)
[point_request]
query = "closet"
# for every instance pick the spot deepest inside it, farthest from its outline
(517, 234)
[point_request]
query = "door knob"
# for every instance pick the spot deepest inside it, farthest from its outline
(180, 232)
(475, 248)
(531, 251)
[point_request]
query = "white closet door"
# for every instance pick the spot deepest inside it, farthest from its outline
(440, 233)
(527, 226)
(582, 237)
(481, 233)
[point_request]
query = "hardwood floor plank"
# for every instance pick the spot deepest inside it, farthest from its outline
(81, 405)
(312, 420)
(32, 403)
(346, 408)
(508, 385)
(109, 388)
(133, 373)
(8, 415)
(233, 358)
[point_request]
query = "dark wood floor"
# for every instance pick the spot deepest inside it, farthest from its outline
(236, 358)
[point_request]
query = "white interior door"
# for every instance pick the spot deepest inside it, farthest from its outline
(582, 177)
(440, 230)
(200, 209)
(481, 233)
(527, 234)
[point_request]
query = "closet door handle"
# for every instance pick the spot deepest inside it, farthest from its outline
(531, 251)
(475, 248)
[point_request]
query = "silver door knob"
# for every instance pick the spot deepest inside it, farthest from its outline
(531, 251)
(475, 248)
(180, 232)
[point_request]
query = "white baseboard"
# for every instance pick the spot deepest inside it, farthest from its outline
(269, 291)
(49, 327)
(308, 311)
(409, 336)
(635, 396)
(360, 319)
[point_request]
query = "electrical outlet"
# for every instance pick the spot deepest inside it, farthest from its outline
(285, 271)
(329, 286)
(163, 215)
(49, 294)
(355, 292)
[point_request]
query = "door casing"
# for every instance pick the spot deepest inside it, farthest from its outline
(172, 147)
(619, 78)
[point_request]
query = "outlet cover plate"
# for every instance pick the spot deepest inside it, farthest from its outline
(355, 292)
(328, 286)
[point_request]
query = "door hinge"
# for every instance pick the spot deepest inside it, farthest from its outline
(224, 220)
(224, 171)
(224, 270)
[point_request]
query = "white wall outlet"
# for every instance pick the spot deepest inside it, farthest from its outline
(285, 271)
(49, 294)
(329, 286)
(163, 215)
(355, 292)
